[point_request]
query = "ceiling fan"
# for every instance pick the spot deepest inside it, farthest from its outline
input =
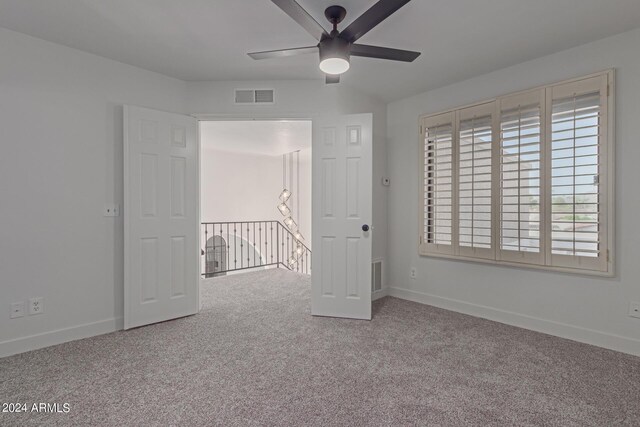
(337, 47)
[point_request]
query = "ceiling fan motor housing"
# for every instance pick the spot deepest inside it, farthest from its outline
(334, 47)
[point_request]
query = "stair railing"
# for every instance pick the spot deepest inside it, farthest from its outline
(243, 245)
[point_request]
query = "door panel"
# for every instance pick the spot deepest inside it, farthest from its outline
(161, 216)
(342, 177)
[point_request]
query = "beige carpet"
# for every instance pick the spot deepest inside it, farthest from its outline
(255, 356)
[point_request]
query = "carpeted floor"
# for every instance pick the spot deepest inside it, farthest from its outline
(255, 356)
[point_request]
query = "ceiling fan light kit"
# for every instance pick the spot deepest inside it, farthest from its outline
(337, 47)
(334, 56)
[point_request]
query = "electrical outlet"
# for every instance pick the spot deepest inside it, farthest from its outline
(111, 210)
(17, 309)
(36, 306)
(634, 309)
(413, 273)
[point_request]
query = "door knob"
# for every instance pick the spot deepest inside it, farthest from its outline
(365, 227)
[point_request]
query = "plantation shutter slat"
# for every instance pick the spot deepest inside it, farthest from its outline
(520, 180)
(438, 185)
(576, 164)
(475, 142)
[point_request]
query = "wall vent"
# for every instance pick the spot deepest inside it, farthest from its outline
(245, 96)
(376, 276)
(254, 96)
(264, 96)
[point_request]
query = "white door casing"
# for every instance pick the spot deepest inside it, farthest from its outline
(342, 205)
(161, 216)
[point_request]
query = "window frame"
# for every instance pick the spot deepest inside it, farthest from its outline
(601, 266)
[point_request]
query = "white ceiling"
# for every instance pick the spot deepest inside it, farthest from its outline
(198, 40)
(265, 137)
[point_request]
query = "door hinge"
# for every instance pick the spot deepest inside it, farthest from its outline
(608, 90)
(420, 129)
(608, 255)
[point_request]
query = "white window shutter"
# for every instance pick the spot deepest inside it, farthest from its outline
(438, 185)
(475, 143)
(524, 179)
(577, 113)
(520, 178)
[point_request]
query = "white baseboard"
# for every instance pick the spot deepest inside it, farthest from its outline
(46, 339)
(563, 330)
(379, 294)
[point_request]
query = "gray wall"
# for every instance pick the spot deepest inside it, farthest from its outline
(61, 130)
(584, 308)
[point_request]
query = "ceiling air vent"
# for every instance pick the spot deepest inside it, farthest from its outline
(264, 96)
(254, 96)
(245, 96)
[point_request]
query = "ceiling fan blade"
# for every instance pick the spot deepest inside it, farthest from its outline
(298, 14)
(281, 53)
(372, 17)
(330, 78)
(383, 53)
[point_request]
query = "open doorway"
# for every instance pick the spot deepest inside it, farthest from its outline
(162, 208)
(255, 196)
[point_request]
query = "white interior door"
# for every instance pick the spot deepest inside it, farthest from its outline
(342, 212)
(161, 215)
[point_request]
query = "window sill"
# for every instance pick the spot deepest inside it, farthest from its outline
(576, 271)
